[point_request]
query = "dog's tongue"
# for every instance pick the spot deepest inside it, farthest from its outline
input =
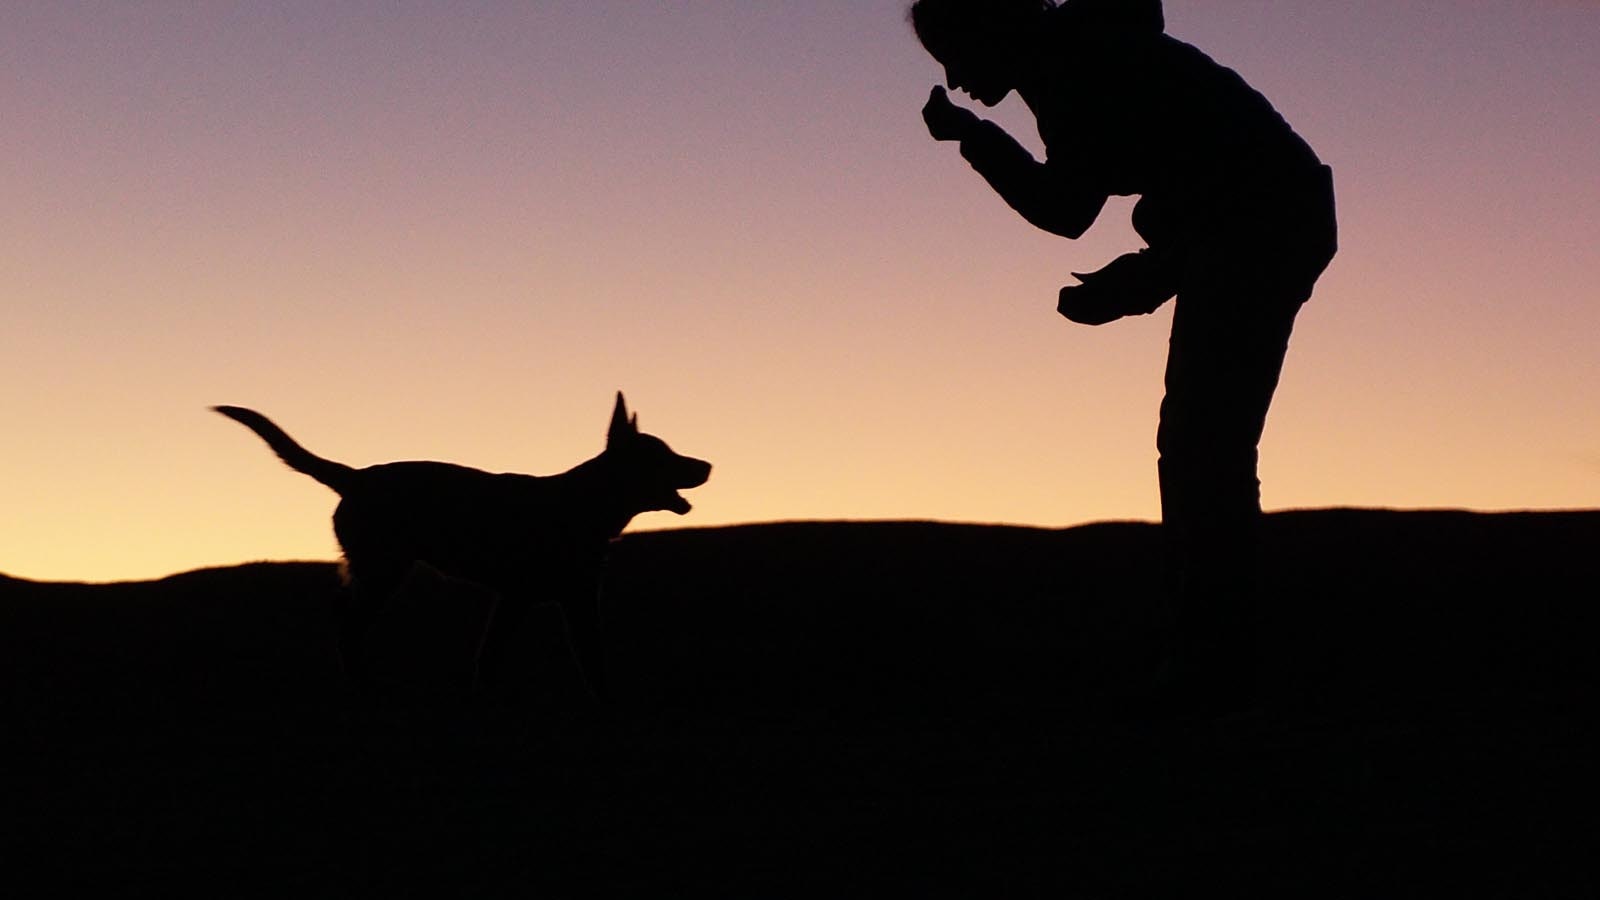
(678, 505)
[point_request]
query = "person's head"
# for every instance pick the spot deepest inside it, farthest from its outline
(979, 42)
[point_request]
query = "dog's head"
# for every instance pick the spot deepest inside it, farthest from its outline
(648, 472)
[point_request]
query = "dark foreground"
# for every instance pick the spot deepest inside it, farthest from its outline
(837, 710)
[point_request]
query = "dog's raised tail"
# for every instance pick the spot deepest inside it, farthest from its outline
(335, 475)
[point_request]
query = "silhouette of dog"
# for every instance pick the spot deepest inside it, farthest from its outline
(529, 538)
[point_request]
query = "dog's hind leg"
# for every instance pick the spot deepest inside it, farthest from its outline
(426, 638)
(366, 591)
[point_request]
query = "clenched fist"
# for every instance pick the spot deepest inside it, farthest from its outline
(947, 121)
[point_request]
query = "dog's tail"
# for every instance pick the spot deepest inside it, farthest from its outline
(335, 475)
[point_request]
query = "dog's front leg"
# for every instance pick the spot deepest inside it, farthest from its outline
(583, 617)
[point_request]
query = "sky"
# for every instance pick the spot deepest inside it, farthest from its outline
(453, 231)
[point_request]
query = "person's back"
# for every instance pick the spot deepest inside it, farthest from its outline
(1136, 111)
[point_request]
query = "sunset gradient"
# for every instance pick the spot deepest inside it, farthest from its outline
(453, 231)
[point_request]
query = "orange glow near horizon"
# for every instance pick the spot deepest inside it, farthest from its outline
(428, 236)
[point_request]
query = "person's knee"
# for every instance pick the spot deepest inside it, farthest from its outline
(1202, 445)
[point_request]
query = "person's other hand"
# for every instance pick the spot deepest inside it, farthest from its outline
(1132, 284)
(1086, 304)
(946, 121)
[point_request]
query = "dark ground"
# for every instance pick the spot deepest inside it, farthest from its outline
(838, 710)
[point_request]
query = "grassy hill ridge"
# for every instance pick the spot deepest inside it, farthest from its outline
(1358, 603)
(824, 709)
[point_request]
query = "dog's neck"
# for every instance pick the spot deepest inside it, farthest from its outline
(606, 511)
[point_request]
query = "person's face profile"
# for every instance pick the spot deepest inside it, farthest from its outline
(975, 72)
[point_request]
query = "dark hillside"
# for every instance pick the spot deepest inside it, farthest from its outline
(826, 709)
(879, 620)
(200, 639)
(1363, 607)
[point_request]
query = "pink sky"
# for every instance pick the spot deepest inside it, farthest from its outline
(454, 230)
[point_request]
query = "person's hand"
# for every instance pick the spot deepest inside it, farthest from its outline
(947, 121)
(1087, 305)
(1131, 284)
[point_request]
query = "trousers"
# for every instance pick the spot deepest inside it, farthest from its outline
(1223, 366)
(1233, 316)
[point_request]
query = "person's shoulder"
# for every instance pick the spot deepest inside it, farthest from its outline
(1111, 17)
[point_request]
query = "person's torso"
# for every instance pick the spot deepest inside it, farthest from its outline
(1151, 115)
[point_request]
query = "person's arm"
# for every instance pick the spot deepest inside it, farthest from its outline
(1049, 197)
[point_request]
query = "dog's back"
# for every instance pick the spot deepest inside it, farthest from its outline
(506, 531)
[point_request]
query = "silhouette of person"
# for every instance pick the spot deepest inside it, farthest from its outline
(1237, 213)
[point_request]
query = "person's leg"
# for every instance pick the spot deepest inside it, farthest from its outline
(1225, 356)
(1243, 284)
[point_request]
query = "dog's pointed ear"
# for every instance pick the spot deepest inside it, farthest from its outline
(621, 427)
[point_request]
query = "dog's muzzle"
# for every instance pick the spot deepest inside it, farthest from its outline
(691, 474)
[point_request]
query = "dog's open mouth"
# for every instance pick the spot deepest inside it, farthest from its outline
(692, 474)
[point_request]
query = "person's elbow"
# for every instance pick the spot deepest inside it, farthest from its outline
(1072, 229)
(1061, 222)
(1065, 214)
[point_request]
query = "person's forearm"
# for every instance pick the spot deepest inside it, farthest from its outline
(1027, 185)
